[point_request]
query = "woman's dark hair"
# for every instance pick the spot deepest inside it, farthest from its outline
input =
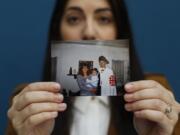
(121, 119)
(56, 19)
(81, 70)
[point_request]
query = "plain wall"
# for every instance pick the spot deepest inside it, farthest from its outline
(24, 31)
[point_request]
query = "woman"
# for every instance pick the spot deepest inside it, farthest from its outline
(83, 75)
(108, 86)
(35, 107)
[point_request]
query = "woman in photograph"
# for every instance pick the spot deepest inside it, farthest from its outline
(107, 78)
(147, 108)
(83, 75)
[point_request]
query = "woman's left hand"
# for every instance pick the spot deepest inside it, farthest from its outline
(155, 108)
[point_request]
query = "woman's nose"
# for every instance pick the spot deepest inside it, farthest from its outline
(89, 31)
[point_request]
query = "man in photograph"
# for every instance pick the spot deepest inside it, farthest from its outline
(107, 78)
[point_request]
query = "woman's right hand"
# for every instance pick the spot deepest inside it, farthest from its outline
(34, 109)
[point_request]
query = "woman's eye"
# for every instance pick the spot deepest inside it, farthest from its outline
(73, 20)
(105, 20)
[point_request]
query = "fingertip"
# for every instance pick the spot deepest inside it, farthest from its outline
(127, 107)
(128, 87)
(137, 113)
(57, 86)
(61, 97)
(54, 114)
(65, 106)
(128, 97)
(62, 107)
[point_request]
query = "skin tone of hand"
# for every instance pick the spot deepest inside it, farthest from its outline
(34, 109)
(148, 100)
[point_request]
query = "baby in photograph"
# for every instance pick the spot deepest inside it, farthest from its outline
(92, 80)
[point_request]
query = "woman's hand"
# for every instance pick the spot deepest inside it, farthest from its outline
(155, 108)
(34, 109)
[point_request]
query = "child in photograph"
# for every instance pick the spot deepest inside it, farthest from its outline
(92, 81)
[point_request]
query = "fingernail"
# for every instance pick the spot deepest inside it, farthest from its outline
(54, 114)
(57, 86)
(128, 86)
(62, 106)
(137, 113)
(61, 97)
(127, 107)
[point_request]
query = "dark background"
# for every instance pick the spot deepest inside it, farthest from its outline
(24, 31)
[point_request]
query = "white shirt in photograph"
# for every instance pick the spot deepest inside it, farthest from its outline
(107, 82)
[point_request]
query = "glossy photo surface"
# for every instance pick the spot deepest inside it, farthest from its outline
(90, 68)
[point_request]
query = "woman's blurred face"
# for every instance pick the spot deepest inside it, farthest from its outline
(85, 69)
(88, 20)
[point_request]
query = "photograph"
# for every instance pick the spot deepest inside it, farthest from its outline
(90, 68)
